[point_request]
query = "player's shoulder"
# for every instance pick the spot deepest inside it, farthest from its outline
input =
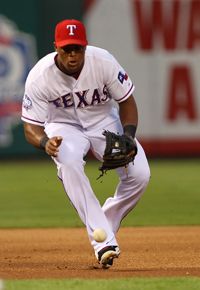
(98, 53)
(44, 64)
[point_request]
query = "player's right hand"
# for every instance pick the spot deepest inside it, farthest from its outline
(52, 145)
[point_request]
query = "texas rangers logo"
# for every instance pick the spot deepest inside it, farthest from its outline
(17, 56)
(71, 28)
(122, 76)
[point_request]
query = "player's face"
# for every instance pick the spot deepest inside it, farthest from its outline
(71, 58)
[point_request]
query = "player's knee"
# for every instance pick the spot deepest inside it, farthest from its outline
(71, 163)
(139, 176)
(69, 159)
(142, 176)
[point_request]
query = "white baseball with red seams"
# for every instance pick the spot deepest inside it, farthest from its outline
(79, 110)
(99, 235)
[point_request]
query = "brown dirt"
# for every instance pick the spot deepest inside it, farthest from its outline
(66, 253)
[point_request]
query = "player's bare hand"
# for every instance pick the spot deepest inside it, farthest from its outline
(52, 145)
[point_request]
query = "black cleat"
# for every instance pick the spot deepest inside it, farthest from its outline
(106, 256)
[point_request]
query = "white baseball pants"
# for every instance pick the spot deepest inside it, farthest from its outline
(70, 164)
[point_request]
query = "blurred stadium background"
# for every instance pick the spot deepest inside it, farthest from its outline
(157, 42)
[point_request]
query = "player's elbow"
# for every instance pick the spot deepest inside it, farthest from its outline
(27, 131)
(33, 133)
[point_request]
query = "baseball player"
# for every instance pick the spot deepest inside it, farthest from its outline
(71, 96)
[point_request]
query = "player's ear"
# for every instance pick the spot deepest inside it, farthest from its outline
(55, 47)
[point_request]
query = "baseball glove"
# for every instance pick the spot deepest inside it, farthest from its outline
(120, 150)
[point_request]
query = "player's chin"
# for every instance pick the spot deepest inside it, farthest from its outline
(73, 68)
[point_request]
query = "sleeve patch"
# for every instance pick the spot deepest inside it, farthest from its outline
(122, 76)
(27, 103)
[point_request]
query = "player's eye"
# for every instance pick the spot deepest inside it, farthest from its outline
(70, 48)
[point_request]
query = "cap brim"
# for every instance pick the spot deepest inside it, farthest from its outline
(71, 41)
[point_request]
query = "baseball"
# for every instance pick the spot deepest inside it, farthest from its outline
(99, 235)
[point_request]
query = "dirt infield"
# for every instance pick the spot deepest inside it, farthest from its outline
(66, 253)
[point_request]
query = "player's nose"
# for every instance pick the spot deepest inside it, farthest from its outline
(73, 53)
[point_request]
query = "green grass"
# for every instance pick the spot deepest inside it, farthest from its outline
(32, 196)
(110, 284)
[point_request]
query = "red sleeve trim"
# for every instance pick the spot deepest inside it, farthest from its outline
(125, 95)
(32, 120)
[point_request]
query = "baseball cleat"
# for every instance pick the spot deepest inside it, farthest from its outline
(106, 255)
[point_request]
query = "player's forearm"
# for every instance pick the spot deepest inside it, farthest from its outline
(34, 134)
(129, 116)
(128, 112)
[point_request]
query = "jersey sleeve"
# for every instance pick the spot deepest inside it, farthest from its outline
(118, 82)
(34, 105)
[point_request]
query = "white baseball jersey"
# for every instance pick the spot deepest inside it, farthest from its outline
(52, 96)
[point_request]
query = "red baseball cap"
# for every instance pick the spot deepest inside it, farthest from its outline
(70, 31)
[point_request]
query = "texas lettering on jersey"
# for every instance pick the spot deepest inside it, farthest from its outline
(67, 100)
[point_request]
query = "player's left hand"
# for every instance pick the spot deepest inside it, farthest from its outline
(119, 152)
